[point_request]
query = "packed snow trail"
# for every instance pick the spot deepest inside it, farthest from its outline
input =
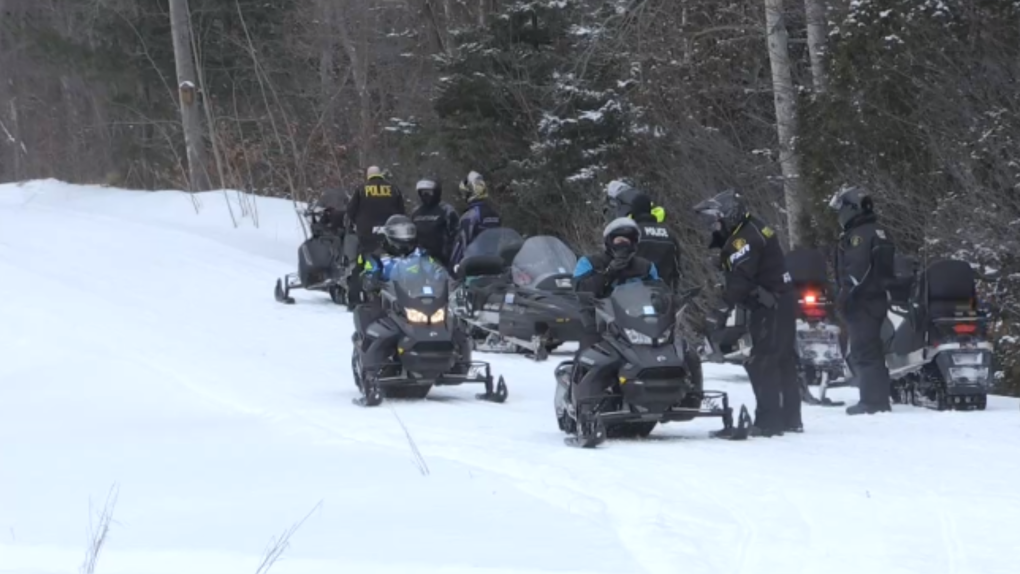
(142, 348)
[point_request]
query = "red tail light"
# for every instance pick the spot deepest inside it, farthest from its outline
(965, 328)
(810, 299)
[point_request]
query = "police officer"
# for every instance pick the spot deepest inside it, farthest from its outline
(657, 243)
(479, 215)
(368, 209)
(865, 259)
(754, 268)
(436, 220)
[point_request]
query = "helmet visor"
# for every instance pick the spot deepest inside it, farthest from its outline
(402, 232)
(836, 201)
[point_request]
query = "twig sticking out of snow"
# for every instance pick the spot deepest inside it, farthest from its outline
(98, 531)
(277, 546)
(419, 460)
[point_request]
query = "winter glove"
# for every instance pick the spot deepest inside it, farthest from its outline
(370, 282)
(716, 319)
(617, 265)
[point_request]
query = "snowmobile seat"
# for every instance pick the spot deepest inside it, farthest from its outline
(481, 266)
(316, 258)
(948, 287)
(508, 252)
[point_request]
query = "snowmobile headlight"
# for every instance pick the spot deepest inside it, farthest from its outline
(415, 316)
(637, 338)
(438, 317)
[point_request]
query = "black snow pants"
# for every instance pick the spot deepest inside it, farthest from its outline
(867, 355)
(772, 366)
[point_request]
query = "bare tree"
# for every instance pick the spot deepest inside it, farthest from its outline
(191, 117)
(815, 12)
(786, 113)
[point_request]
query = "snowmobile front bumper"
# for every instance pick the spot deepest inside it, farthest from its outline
(459, 373)
(710, 404)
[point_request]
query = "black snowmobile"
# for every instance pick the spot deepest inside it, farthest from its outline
(819, 353)
(641, 359)
(530, 308)
(936, 341)
(326, 258)
(404, 343)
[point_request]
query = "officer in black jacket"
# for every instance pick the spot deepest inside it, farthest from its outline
(657, 243)
(368, 209)
(864, 266)
(436, 220)
(754, 267)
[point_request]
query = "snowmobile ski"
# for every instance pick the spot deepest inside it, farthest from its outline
(593, 436)
(808, 398)
(739, 432)
(281, 294)
(497, 395)
(372, 397)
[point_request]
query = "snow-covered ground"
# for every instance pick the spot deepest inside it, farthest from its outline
(141, 350)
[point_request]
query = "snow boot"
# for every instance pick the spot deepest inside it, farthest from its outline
(865, 409)
(766, 432)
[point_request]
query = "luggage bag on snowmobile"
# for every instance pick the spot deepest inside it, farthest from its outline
(482, 281)
(404, 344)
(938, 355)
(642, 360)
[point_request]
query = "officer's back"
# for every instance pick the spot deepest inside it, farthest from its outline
(372, 205)
(657, 243)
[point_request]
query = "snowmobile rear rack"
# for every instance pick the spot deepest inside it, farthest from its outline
(474, 372)
(713, 404)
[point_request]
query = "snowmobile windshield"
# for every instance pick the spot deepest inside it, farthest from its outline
(495, 242)
(420, 283)
(544, 262)
(643, 309)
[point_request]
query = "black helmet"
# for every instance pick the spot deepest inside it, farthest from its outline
(621, 237)
(401, 235)
(850, 202)
(723, 213)
(430, 191)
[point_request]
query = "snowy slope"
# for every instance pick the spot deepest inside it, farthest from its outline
(140, 346)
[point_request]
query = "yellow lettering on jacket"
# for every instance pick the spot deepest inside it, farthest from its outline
(378, 191)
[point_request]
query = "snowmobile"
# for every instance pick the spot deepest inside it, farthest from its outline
(530, 308)
(936, 341)
(410, 343)
(820, 358)
(325, 260)
(642, 360)
(819, 353)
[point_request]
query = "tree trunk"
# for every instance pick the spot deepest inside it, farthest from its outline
(786, 114)
(327, 66)
(359, 66)
(191, 117)
(815, 11)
